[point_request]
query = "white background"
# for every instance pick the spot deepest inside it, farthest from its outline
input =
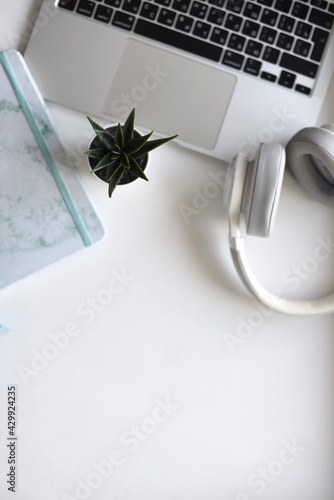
(191, 388)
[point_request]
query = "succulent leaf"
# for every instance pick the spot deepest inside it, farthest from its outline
(116, 150)
(128, 126)
(95, 125)
(150, 145)
(125, 161)
(112, 169)
(97, 153)
(118, 138)
(104, 162)
(106, 138)
(136, 143)
(135, 169)
(114, 180)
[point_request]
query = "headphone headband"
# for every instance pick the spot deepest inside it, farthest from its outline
(316, 142)
(276, 302)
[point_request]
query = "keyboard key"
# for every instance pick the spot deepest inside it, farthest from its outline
(319, 38)
(250, 28)
(181, 5)
(299, 65)
(284, 41)
(320, 18)
(300, 10)
(252, 66)
(303, 89)
(271, 55)
(67, 4)
(287, 79)
(184, 23)
(219, 36)
(233, 59)
(131, 6)
(198, 9)
(202, 29)
(283, 5)
(321, 4)
(113, 3)
(123, 20)
(269, 17)
(103, 13)
(254, 48)
(286, 23)
(236, 42)
(268, 3)
(268, 35)
(268, 76)
(216, 16)
(217, 3)
(85, 8)
(302, 48)
(303, 29)
(252, 10)
(233, 22)
(166, 17)
(234, 5)
(164, 3)
(178, 40)
(149, 10)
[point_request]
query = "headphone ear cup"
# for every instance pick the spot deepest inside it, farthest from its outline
(328, 126)
(310, 157)
(262, 189)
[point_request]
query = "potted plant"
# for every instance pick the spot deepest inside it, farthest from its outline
(118, 154)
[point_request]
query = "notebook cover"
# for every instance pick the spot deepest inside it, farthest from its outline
(37, 227)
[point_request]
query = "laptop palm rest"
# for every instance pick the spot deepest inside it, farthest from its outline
(164, 89)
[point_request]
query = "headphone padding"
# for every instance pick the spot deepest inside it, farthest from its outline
(319, 143)
(262, 189)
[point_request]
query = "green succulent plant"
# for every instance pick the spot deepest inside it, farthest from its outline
(119, 153)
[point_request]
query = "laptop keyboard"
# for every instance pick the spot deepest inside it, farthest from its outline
(281, 41)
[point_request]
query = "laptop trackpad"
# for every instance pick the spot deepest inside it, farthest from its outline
(172, 94)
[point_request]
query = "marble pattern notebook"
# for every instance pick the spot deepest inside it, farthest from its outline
(45, 213)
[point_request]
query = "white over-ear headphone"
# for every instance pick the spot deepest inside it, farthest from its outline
(253, 191)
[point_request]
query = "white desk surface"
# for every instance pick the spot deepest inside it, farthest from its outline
(180, 386)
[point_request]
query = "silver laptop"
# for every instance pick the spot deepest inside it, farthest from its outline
(223, 74)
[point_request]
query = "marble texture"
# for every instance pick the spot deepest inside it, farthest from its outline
(36, 227)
